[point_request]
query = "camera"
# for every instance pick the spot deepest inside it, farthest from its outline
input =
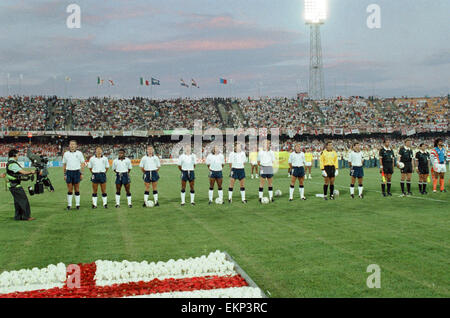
(39, 162)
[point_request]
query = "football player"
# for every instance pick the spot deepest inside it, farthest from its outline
(329, 166)
(99, 165)
(266, 159)
(237, 161)
(215, 162)
(73, 166)
(356, 163)
(297, 165)
(186, 164)
(438, 162)
(122, 167)
(150, 165)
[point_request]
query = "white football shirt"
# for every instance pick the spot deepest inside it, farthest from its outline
(98, 164)
(215, 162)
(150, 163)
(73, 160)
(266, 158)
(121, 166)
(297, 159)
(237, 159)
(187, 162)
(356, 159)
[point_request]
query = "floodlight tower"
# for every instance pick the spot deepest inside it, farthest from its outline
(315, 16)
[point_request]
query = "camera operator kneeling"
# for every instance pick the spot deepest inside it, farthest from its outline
(15, 174)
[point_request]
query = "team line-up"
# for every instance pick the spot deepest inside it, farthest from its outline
(264, 159)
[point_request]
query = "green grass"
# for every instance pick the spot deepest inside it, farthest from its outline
(290, 249)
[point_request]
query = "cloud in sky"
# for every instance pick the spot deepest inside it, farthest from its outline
(251, 41)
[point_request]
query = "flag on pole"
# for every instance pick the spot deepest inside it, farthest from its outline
(182, 83)
(111, 82)
(99, 81)
(223, 81)
(155, 81)
(194, 83)
(144, 82)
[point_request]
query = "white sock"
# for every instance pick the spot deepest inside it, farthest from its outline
(77, 200)
(145, 198)
(291, 192)
(155, 197)
(220, 195)
(270, 194)
(260, 194)
(360, 190)
(302, 192)
(105, 200)
(210, 195)
(69, 200)
(243, 195)
(183, 197)
(352, 190)
(117, 199)
(94, 201)
(230, 195)
(192, 197)
(128, 199)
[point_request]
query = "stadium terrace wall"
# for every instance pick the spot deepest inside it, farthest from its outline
(291, 132)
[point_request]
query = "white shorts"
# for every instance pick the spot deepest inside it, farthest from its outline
(308, 164)
(440, 168)
(254, 163)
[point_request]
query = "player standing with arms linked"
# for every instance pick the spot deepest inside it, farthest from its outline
(150, 165)
(215, 162)
(73, 166)
(405, 155)
(237, 160)
(186, 164)
(438, 162)
(297, 164)
(356, 163)
(329, 166)
(423, 169)
(98, 165)
(386, 157)
(266, 159)
(122, 167)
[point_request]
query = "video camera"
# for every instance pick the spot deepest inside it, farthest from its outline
(39, 162)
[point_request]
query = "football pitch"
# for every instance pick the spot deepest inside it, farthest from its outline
(312, 248)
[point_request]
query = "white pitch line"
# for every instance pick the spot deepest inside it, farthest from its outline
(414, 197)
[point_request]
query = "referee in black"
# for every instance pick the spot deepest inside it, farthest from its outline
(13, 173)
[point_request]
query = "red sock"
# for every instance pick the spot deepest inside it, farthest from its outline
(441, 182)
(434, 184)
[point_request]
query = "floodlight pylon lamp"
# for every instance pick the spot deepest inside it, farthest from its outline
(315, 11)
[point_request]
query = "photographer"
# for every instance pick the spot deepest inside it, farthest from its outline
(15, 174)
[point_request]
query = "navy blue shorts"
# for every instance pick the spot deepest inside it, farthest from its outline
(238, 174)
(187, 176)
(123, 178)
(215, 174)
(298, 172)
(99, 177)
(150, 176)
(266, 172)
(73, 176)
(357, 172)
